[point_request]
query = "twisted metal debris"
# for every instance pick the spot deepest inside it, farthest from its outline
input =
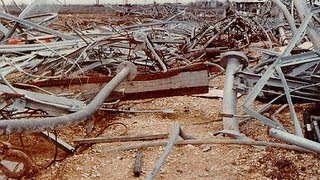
(293, 77)
(177, 44)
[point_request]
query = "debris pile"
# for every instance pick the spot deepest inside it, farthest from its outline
(57, 72)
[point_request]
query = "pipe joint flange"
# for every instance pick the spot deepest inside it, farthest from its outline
(232, 56)
(132, 69)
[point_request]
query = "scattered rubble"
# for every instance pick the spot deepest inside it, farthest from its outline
(61, 70)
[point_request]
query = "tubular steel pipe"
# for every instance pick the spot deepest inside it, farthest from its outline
(287, 15)
(172, 140)
(231, 60)
(34, 25)
(296, 140)
(316, 129)
(125, 70)
(230, 97)
(312, 31)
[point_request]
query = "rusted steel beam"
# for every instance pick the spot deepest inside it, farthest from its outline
(140, 137)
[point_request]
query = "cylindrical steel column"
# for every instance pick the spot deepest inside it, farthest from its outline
(231, 61)
(230, 97)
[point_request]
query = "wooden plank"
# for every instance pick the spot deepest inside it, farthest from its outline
(164, 93)
(177, 84)
(182, 80)
(103, 79)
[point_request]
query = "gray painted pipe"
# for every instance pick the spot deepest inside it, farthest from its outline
(231, 61)
(296, 140)
(230, 96)
(50, 123)
(287, 15)
(312, 31)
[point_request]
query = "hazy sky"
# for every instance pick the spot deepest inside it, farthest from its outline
(105, 1)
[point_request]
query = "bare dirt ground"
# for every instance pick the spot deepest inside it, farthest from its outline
(200, 118)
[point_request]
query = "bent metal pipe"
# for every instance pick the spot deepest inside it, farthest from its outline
(126, 70)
